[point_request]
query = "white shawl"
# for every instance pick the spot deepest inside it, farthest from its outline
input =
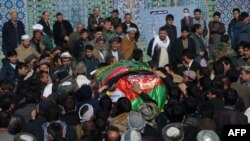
(163, 44)
(163, 59)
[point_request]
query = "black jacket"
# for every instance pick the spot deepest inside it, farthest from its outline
(195, 66)
(7, 71)
(217, 103)
(11, 35)
(120, 54)
(190, 132)
(35, 128)
(22, 86)
(78, 48)
(115, 21)
(156, 54)
(183, 22)
(46, 28)
(71, 118)
(172, 32)
(91, 65)
(152, 132)
(25, 110)
(92, 20)
(124, 28)
(228, 116)
(178, 49)
(58, 35)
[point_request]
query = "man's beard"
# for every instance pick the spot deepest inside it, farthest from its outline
(38, 40)
(197, 18)
(67, 66)
(162, 38)
(114, 50)
(26, 46)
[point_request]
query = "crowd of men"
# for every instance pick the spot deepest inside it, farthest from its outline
(48, 90)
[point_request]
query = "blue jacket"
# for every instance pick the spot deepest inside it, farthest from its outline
(91, 65)
(7, 71)
(241, 32)
(12, 35)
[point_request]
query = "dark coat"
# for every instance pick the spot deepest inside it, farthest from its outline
(25, 110)
(232, 22)
(22, 86)
(217, 30)
(151, 132)
(156, 54)
(7, 71)
(124, 28)
(91, 64)
(195, 66)
(202, 22)
(71, 118)
(92, 20)
(11, 35)
(178, 49)
(35, 128)
(46, 28)
(217, 103)
(58, 35)
(190, 132)
(120, 55)
(78, 48)
(183, 22)
(115, 21)
(191, 120)
(172, 32)
(162, 120)
(229, 116)
(241, 32)
(200, 46)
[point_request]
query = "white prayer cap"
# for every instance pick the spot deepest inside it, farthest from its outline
(116, 95)
(12, 11)
(37, 27)
(130, 29)
(25, 37)
(24, 137)
(86, 112)
(66, 55)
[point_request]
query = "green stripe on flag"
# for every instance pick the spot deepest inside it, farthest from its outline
(132, 65)
(159, 94)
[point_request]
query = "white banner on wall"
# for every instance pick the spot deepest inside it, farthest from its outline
(153, 19)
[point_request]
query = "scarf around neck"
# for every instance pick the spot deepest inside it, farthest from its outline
(162, 44)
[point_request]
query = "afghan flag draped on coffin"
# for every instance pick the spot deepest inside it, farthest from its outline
(121, 74)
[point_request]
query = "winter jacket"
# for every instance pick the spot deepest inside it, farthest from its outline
(58, 33)
(241, 32)
(7, 71)
(11, 35)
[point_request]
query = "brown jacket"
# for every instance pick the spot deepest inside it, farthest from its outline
(127, 47)
(23, 52)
